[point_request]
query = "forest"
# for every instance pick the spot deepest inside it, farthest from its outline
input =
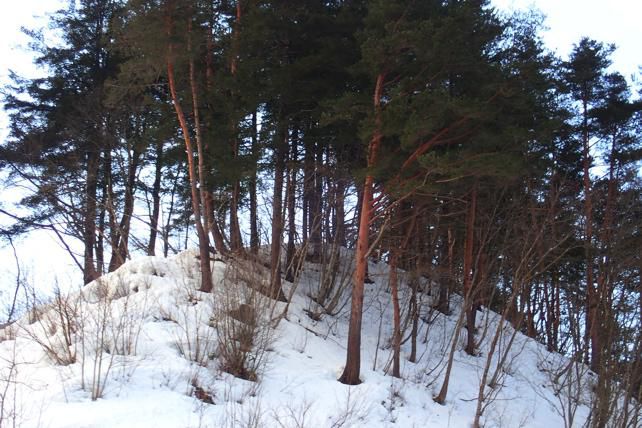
(438, 136)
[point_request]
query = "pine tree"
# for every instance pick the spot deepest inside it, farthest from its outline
(60, 125)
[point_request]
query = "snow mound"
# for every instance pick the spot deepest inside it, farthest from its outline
(141, 347)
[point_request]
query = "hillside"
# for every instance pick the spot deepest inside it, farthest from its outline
(153, 352)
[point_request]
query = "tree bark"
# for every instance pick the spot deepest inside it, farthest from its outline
(396, 252)
(254, 229)
(290, 263)
(121, 251)
(89, 227)
(352, 369)
(280, 152)
(469, 293)
(236, 241)
(591, 301)
(203, 239)
(396, 314)
(153, 227)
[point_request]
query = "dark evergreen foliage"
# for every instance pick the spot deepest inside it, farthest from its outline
(501, 172)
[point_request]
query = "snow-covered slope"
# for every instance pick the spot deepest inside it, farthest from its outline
(151, 350)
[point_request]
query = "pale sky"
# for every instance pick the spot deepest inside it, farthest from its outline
(609, 21)
(612, 21)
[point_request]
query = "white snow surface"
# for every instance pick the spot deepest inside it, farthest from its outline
(136, 330)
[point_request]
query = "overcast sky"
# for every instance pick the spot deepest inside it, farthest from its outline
(612, 21)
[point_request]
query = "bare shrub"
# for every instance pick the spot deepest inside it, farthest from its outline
(568, 380)
(55, 326)
(353, 409)
(10, 413)
(111, 325)
(243, 321)
(330, 296)
(193, 333)
(293, 416)
(244, 411)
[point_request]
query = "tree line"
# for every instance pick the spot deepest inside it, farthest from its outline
(439, 135)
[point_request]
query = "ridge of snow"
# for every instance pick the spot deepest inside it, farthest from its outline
(156, 301)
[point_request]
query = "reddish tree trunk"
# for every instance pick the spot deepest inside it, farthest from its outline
(203, 239)
(352, 369)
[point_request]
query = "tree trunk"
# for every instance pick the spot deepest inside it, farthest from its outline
(340, 216)
(396, 314)
(121, 251)
(315, 210)
(398, 251)
(591, 301)
(469, 293)
(446, 278)
(290, 263)
(100, 241)
(254, 229)
(236, 242)
(280, 152)
(203, 239)
(352, 369)
(153, 228)
(89, 226)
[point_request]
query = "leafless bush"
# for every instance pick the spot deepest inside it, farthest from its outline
(111, 325)
(394, 400)
(55, 326)
(245, 411)
(330, 297)
(243, 321)
(193, 333)
(567, 378)
(293, 416)
(9, 405)
(353, 409)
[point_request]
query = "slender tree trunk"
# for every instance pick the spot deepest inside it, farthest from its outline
(445, 284)
(156, 188)
(340, 216)
(396, 252)
(280, 152)
(592, 335)
(89, 229)
(352, 369)
(168, 223)
(203, 239)
(254, 229)
(100, 241)
(443, 391)
(396, 314)
(236, 241)
(308, 186)
(110, 206)
(315, 209)
(121, 251)
(290, 264)
(469, 293)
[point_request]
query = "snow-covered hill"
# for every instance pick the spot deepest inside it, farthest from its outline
(152, 352)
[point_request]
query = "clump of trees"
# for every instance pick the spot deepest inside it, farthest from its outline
(438, 132)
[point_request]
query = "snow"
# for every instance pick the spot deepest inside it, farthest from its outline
(153, 342)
